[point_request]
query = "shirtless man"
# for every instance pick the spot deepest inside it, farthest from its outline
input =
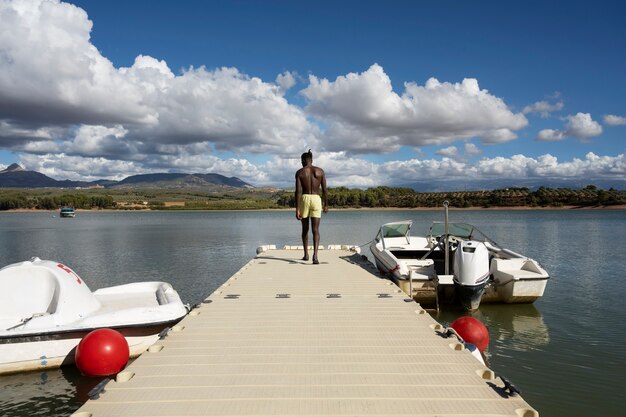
(308, 202)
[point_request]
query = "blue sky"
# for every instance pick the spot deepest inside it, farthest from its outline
(337, 60)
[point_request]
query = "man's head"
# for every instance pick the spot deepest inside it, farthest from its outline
(306, 158)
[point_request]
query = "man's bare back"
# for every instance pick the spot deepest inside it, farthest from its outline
(310, 179)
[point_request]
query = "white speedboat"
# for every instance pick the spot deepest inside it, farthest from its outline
(456, 261)
(46, 309)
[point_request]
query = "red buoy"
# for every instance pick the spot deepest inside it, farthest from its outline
(472, 331)
(102, 352)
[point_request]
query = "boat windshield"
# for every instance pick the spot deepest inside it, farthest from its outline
(462, 230)
(400, 229)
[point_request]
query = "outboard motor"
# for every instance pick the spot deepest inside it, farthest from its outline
(471, 272)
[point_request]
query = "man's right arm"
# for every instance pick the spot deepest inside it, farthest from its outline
(298, 195)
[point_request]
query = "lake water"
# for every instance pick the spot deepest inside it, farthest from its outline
(566, 352)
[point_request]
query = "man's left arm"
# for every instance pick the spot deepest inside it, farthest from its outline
(324, 193)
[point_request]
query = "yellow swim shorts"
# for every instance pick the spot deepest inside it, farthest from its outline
(310, 206)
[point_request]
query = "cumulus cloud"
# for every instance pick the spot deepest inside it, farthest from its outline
(75, 167)
(50, 72)
(543, 108)
(580, 126)
(364, 114)
(469, 150)
(286, 80)
(70, 113)
(551, 135)
(472, 150)
(341, 168)
(450, 152)
(613, 120)
(51, 75)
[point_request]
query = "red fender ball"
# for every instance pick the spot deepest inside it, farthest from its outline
(102, 352)
(472, 331)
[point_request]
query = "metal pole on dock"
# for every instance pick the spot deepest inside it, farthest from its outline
(446, 250)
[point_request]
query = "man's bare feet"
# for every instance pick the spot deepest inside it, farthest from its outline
(305, 258)
(315, 261)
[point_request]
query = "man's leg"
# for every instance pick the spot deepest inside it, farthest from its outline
(315, 221)
(305, 238)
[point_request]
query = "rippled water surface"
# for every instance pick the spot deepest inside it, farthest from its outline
(566, 352)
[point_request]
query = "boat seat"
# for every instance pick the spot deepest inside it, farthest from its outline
(515, 274)
(517, 269)
(421, 263)
(37, 288)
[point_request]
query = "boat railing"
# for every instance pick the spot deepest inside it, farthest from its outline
(504, 251)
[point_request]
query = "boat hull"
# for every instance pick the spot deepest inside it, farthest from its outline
(522, 291)
(52, 350)
(515, 292)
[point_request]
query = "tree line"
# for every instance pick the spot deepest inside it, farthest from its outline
(14, 201)
(340, 197)
(507, 197)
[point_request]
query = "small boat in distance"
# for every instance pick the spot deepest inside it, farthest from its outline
(67, 212)
(46, 309)
(456, 261)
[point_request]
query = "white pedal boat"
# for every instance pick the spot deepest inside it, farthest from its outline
(46, 309)
(456, 261)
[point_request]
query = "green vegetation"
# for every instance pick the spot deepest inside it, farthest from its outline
(135, 199)
(264, 198)
(509, 197)
(52, 199)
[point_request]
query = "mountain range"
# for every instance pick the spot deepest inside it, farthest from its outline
(434, 185)
(14, 176)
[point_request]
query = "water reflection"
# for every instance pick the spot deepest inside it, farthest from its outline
(49, 394)
(518, 327)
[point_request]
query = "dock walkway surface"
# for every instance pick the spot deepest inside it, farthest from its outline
(283, 337)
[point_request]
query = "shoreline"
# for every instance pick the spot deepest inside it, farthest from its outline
(512, 208)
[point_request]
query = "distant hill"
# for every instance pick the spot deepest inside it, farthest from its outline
(174, 180)
(15, 176)
(430, 186)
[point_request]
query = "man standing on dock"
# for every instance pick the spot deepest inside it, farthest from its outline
(308, 202)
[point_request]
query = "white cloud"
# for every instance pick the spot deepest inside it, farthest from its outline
(550, 135)
(286, 80)
(543, 108)
(61, 166)
(74, 167)
(341, 168)
(472, 150)
(580, 126)
(469, 150)
(365, 115)
(51, 75)
(49, 67)
(450, 152)
(70, 113)
(613, 120)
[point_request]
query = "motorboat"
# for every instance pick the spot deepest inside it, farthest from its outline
(456, 261)
(67, 212)
(46, 309)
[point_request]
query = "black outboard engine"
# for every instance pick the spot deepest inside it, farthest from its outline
(471, 272)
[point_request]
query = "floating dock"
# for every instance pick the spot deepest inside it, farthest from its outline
(283, 337)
